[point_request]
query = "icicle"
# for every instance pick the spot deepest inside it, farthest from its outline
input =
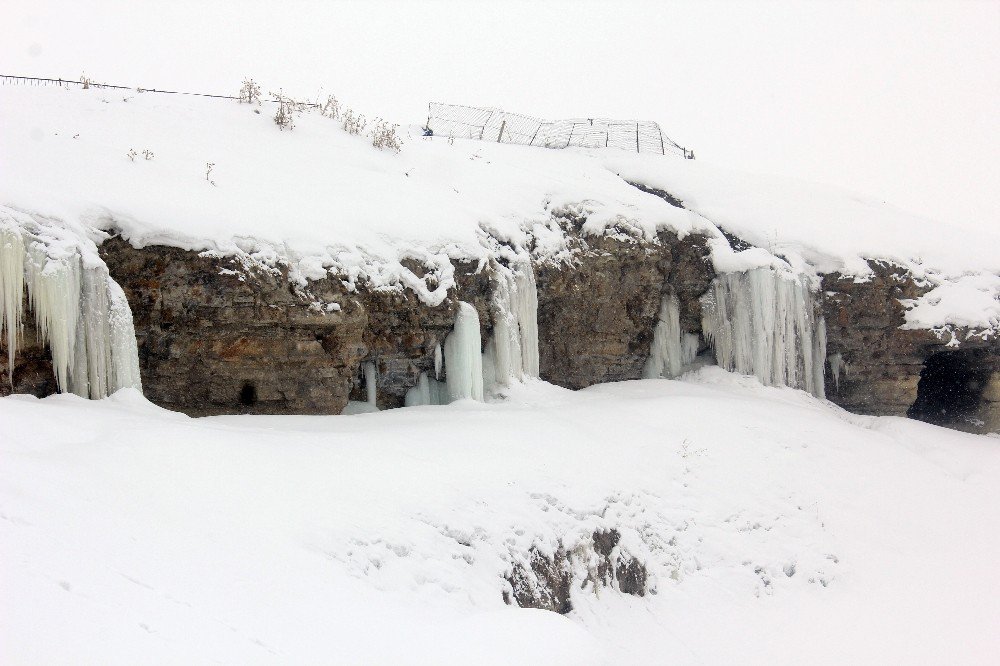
(428, 391)
(669, 351)
(512, 351)
(761, 324)
(463, 356)
(371, 384)
(838, 367)
(438, 361)
(125, 350)
(80, 312)
(11, 291)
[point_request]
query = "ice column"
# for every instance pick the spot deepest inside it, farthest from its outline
(11, 290)
(761, 323)
(512, 351)
(671, 349)
(371, 384)
(463, 360)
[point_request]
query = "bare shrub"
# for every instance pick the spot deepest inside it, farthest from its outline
(208, 172)
(331, 109)
(284, 117)
(147, 153)
(131, 154)
(250, 92)
(383, 135)
(353, 124)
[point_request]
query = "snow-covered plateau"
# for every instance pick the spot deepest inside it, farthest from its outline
(221, 176)
(696, 516)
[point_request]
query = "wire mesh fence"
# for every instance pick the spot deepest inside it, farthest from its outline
(491, 124)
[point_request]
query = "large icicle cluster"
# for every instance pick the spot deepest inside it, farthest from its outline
(81, 314)
(765, 324)
(672, 349)
(511, 353)
(463, 364)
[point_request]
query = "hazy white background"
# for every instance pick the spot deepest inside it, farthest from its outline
(896, 100)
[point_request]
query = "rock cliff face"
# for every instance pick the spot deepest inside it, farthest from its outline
(596, 315)
(217, 336)
(879, 368)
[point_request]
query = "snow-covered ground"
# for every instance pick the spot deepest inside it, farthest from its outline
(778, 529)
(320, 198)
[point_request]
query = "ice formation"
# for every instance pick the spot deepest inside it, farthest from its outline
(510, 354)
(463, 360)
(671, 349)
(11, 290)
(428, 391)
(80, 312)
(371, 384)
(838, 367)
(765, 324)
(512, 351)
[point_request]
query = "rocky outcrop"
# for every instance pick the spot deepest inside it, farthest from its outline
(222, 335)
(548, 581)
(876, 367)
(217, 336)
(596, 315)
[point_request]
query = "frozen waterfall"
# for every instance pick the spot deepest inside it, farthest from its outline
(512, 352)
(672, 349)
(463, 360)
(764, 324)
(81, 314)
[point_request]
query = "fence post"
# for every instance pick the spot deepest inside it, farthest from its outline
(503, 124)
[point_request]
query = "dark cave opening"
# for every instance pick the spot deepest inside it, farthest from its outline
(248, 395)
(950, 388)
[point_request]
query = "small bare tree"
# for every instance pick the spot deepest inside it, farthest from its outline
(208, 172)
(131, 154)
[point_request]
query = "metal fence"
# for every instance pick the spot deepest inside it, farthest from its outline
(490, 124)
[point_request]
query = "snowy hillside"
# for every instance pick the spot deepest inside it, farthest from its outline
(776, 529)
(321, 198)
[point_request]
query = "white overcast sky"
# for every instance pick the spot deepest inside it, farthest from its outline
(900, 101)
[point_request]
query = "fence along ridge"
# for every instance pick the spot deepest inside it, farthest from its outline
(35, 80)
(494, 124)
(643, 136)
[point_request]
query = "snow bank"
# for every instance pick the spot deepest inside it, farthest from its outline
(776, 527)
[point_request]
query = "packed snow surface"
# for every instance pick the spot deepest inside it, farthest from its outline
(776, 527)
(322, 199)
